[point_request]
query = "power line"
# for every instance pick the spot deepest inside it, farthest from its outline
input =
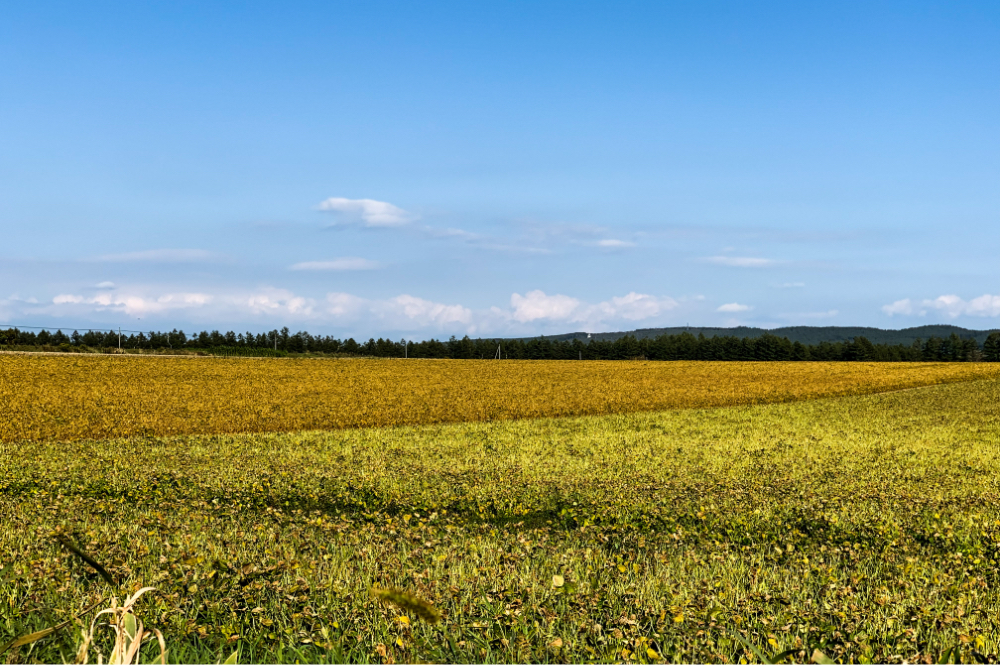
(77, 328)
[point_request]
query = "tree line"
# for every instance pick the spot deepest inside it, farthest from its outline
(684, 346)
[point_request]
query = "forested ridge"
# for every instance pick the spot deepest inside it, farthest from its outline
(805, 334)
(681, 346)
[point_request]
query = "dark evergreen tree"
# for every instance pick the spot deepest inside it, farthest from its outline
(991, 349)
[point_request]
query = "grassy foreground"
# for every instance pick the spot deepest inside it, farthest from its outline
(98, 397)
(865, 526)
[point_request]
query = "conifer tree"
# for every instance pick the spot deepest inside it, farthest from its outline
(991, 348)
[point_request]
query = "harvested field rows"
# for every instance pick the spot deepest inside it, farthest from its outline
(71, 398)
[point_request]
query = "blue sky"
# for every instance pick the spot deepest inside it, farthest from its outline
(427, 169)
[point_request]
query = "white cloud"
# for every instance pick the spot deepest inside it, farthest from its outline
(401, 312)
(105, 285)
(636, 306)
(984, 305)
(343, 263)
(212, 307)
(159, 256)
(903, 307)
(538, 306)
(343, 304)
(741, 261)
(734, 307)
(278, 301)
(613, 243)
(526, 314)
(371, 212)
(135, 304)
(951, 306)
(277, 306)
(426, 312)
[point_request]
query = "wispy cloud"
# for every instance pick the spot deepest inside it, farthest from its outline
(614, 243)
(734, 307)
(828, 314)
(369, 211)
(343, 263)
(951, 306)
(741, 261)
(436, 232)
(159, 256)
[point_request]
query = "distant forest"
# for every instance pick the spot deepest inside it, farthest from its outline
(804, 334)
(679, 346)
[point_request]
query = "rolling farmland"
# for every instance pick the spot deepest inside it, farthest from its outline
(700, 511)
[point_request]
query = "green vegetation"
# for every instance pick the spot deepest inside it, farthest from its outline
(942, 344)
(867, 527)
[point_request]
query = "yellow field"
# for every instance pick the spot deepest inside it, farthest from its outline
(84, 397)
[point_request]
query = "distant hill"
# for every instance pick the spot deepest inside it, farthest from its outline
(804, 334)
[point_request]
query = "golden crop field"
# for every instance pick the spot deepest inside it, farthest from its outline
(81, 397)
(865, 527)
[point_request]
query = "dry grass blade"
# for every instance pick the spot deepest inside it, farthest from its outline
(163, 646)
(68, 544)
(34, 637)
(128, 629)
(408, 602)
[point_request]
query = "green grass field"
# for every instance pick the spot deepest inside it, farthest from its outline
(866, 527)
